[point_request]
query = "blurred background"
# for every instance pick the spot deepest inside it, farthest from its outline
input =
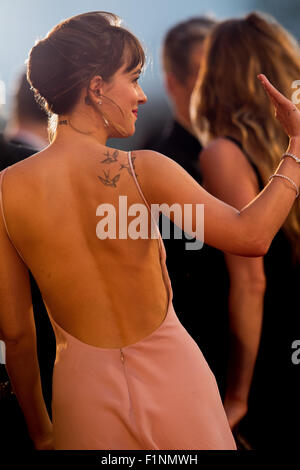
(22, 22)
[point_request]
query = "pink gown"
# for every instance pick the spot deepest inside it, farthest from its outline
(157, 393)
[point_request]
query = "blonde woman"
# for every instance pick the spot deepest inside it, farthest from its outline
(243, 148)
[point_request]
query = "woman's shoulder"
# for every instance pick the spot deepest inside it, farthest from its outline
(225, 156)
(22, 180)
(151, 160)
(26, 165)
(157, 170)
(227, 172)
(222, 148)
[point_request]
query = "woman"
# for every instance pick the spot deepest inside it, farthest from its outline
(127, 374)
(245, 147)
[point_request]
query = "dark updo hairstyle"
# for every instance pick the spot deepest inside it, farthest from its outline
(73, 52)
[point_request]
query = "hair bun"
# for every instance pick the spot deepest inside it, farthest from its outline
(74, 51)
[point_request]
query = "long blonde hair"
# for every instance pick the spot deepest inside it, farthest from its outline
(228, 99)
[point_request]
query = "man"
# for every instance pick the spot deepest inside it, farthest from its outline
(181, 55)
(28, 123)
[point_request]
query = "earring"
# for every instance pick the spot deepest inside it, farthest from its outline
(100, 102)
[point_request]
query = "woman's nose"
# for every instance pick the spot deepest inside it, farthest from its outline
(142, 97)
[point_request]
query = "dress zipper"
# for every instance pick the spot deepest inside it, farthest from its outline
(122, 355)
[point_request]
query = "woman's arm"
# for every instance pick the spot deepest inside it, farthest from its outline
(17, 330)
(236, 184)
(248, 232)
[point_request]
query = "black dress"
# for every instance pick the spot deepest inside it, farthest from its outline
(274, 404)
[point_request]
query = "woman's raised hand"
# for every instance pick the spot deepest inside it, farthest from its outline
(285, 111)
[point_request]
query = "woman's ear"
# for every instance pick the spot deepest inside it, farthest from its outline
(94, 91)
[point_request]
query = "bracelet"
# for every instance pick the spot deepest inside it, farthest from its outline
(288, 154)
(288, 179)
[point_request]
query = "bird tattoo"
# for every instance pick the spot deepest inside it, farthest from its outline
(110, 158)
(109, 181)
(127, 167)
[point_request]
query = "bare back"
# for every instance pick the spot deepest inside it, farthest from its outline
(106, 292)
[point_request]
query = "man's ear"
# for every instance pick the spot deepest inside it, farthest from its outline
(171, 84)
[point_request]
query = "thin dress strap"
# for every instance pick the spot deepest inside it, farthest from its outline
(2, 213)
(141, 193)
(162, 250)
